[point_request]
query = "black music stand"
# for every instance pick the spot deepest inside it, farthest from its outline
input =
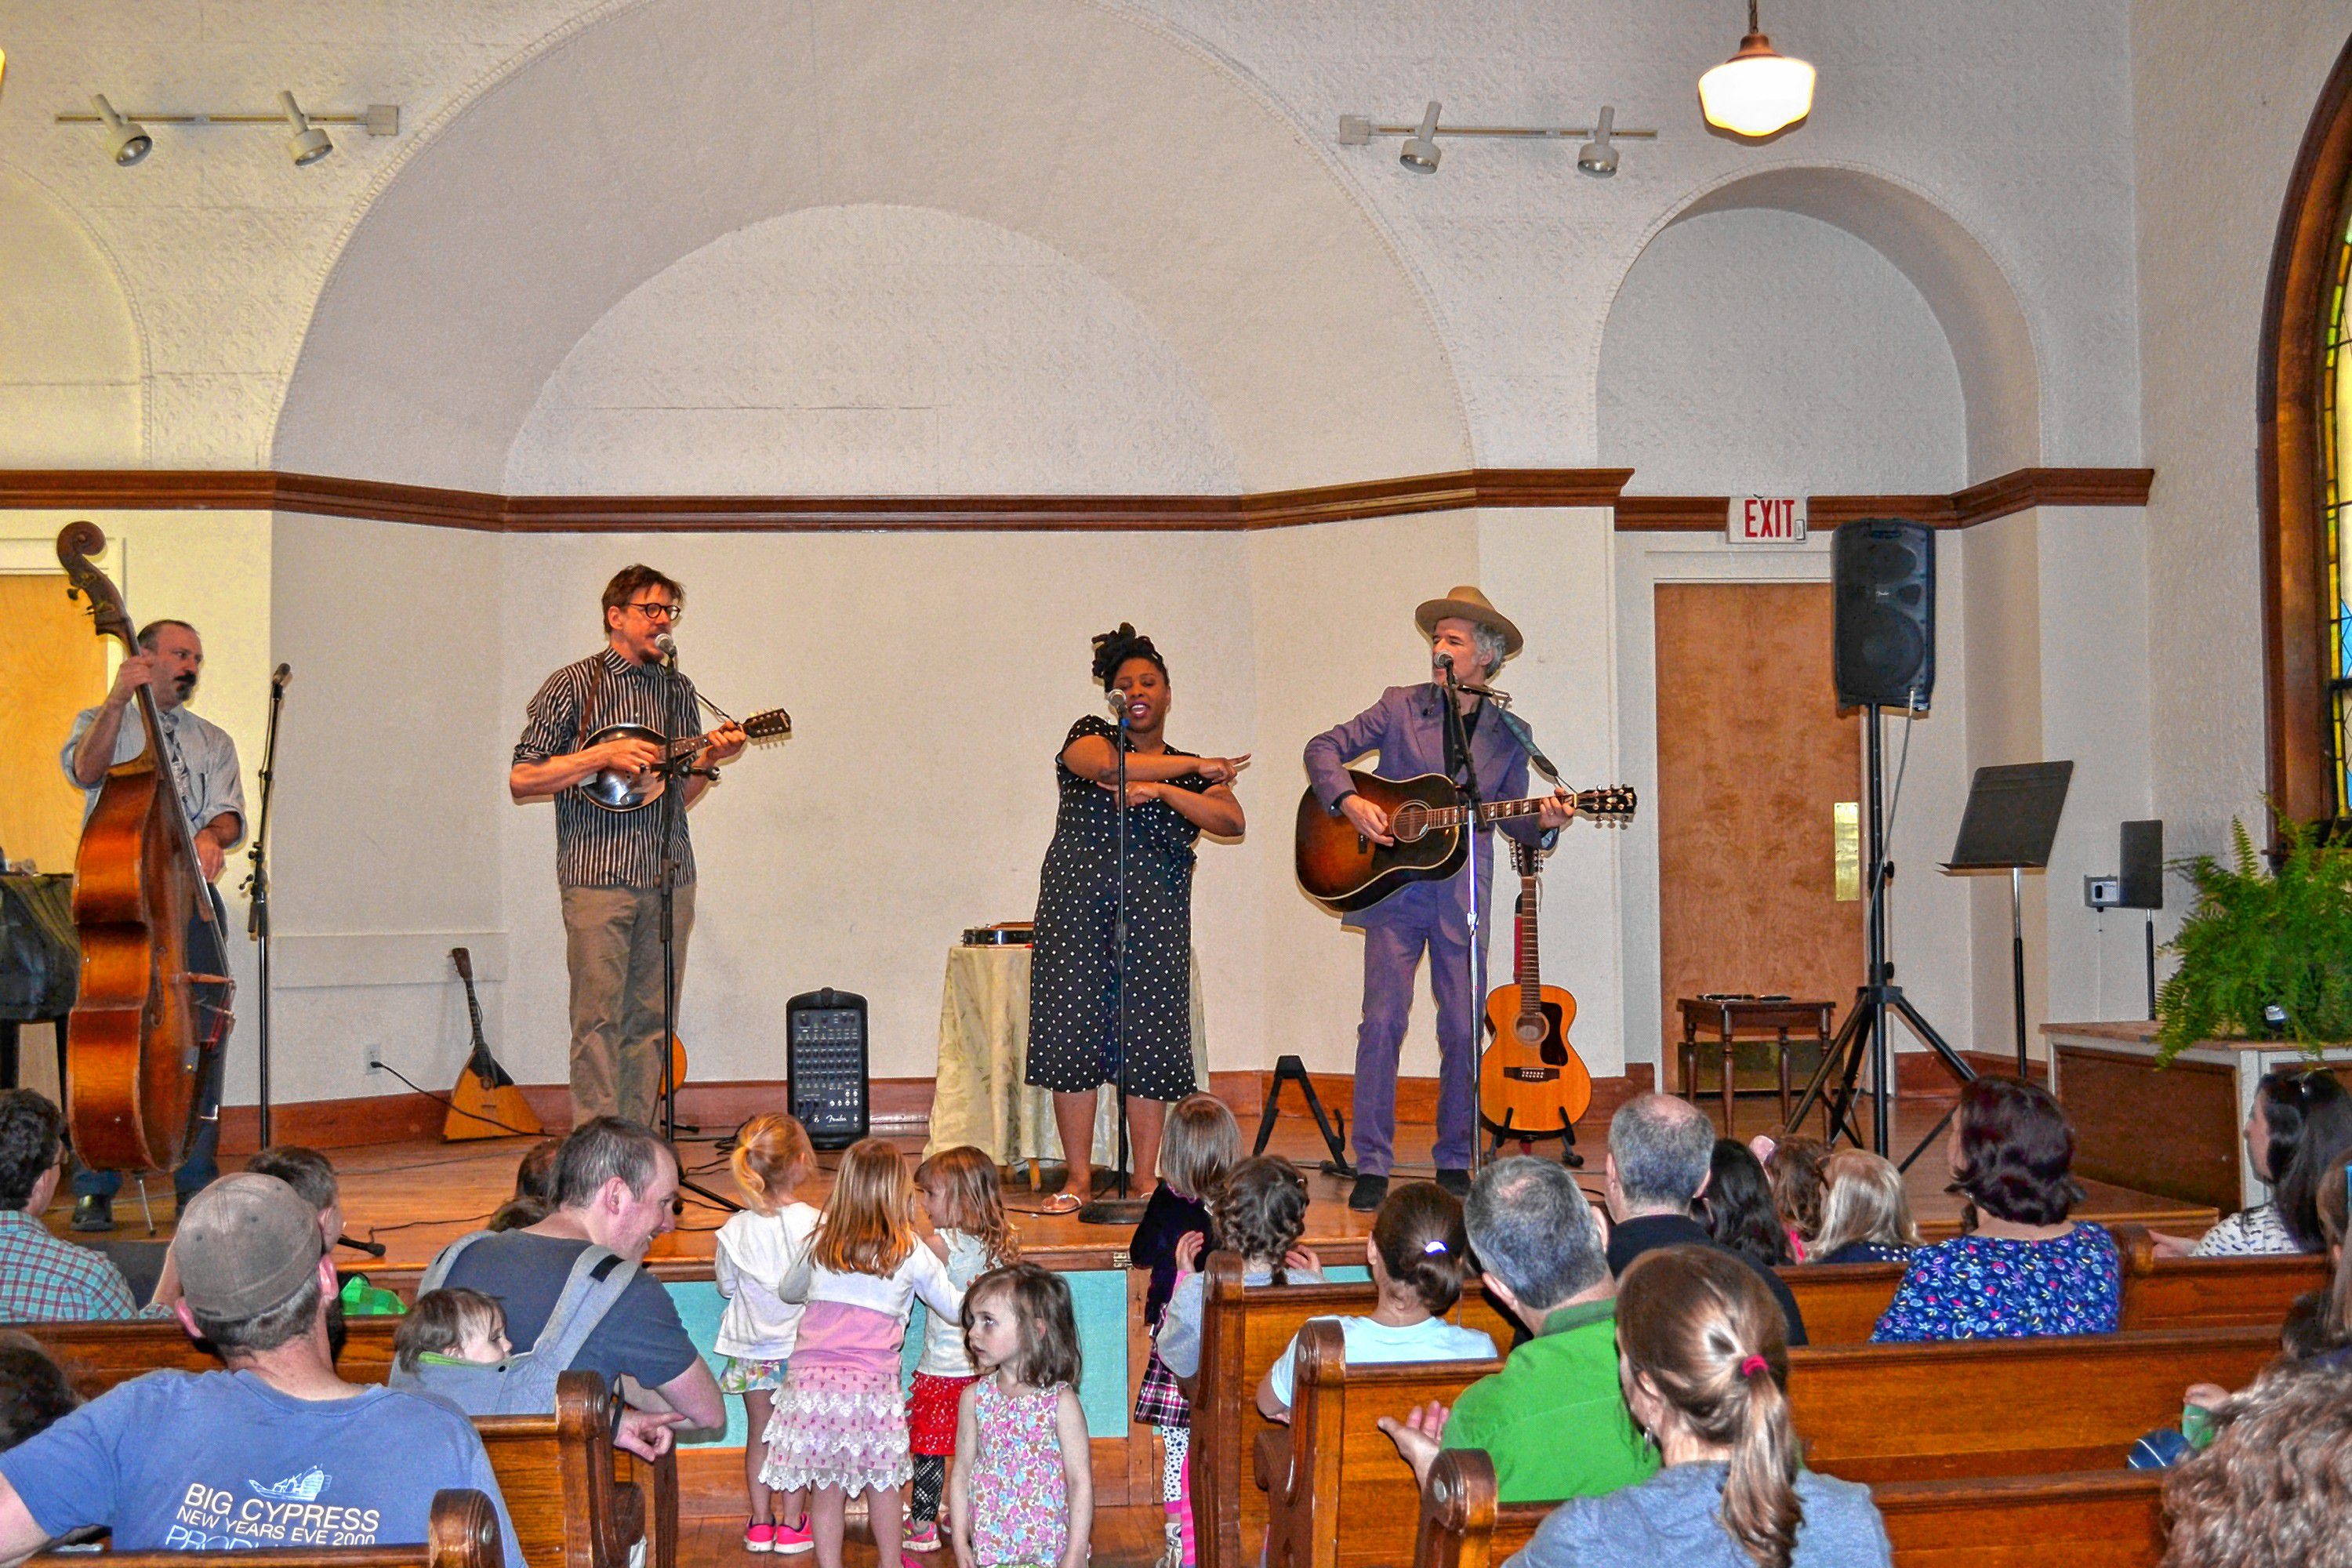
(2008, 825)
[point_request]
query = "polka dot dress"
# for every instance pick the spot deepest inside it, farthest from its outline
(1073, 983)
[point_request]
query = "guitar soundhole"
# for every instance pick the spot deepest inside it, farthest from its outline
(1531, 1030)
(1410, 821)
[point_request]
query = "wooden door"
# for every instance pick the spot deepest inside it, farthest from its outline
(51, 669)
(1753, 760)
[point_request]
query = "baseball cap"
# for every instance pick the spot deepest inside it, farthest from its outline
(245, 1243)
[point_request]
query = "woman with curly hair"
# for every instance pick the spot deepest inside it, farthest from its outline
(2021, 1267)
(1173, 796)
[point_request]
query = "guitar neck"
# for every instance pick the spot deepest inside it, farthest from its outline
(1497, 811)
(1529, 971)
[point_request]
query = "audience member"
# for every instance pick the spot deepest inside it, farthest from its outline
(1866, 1215)
(1258, 1213)
(1554, 1419)
(615, 1187)
(534, 1194)
(1797, 1167)
(2301, 1121)
(1738, 1207)
(451, 1327)
(2021, 1267)
(276, 1450)
(765, 1241)
(965, 1199)
(1419, 1255)
(1706, 1372)
(1660, 1156)
(33, 1390)
(2270, 1491)
(42, 1279)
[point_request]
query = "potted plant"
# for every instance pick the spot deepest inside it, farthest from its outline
(2263, 955)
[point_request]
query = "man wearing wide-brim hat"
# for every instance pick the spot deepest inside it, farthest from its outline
(1407, 728)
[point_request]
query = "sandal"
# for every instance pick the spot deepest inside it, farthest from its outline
(1061, 1203)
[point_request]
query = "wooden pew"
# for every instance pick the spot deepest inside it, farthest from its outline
(575, 1500)
(2105, 1518)
(462, 1532)
(2209, 1292)
(1339, 1497)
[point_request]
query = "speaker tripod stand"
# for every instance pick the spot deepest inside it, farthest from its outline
(1863, 1036)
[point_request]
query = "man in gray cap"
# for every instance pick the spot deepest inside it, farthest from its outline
(277, 1451)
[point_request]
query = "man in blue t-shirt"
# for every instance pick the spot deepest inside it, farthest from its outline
(277, 1451)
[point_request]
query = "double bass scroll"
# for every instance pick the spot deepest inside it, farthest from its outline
(155, 990)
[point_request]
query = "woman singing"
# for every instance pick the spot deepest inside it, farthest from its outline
(1172, 798)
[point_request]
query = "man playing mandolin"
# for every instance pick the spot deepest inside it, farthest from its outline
(1407, 727)
(608, 862)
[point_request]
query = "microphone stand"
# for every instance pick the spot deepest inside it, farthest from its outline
(1468, 785)
(257, 883)
(673, 803)
(1124, 1208)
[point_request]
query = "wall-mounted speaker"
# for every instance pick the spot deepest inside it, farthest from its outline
(2143, 863)
(1883, 613)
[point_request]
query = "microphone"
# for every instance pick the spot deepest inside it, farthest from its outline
(373, 1248)
(1116, 699)
(282, 678)
(668, 644)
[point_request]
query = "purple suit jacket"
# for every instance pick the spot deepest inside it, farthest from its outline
(1407, 728)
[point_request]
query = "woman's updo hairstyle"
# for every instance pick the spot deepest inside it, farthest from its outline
(1422, 1244)
(2017, 1155)
(1701, 1327)
(1113, 649)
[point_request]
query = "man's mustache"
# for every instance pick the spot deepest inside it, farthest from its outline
(187, 683)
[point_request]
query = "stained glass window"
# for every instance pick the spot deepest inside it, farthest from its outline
(2336, 582)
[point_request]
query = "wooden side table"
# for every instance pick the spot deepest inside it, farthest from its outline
(1731, 1018)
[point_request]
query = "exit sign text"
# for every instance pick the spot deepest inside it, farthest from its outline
(1767, 520)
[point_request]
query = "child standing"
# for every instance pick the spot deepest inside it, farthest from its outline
(1022, 1487)
(1201, 1145)
(1418, 1255)
(966, 1203)
(840, 1426)
(756, 1334)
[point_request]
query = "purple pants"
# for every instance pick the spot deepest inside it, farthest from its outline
(1415, 919)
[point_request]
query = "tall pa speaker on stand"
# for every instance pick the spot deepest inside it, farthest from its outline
(825, 1065)
(1882, 653)
(2143, 884)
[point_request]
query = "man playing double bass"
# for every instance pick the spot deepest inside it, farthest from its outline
(202, 761)
(608, 865)
(1408, 728)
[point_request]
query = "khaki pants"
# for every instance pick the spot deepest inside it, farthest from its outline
(612, 944)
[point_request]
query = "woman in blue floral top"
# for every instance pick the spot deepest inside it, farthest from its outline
(2022, 1268)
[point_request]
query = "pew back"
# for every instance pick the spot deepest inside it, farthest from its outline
(462, 1532)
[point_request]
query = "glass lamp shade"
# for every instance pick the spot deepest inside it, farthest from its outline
(1758, 90)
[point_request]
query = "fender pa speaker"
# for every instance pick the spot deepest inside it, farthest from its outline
(825, 1065)
(1883, 613)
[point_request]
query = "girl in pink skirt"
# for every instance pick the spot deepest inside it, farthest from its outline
(840, 1426)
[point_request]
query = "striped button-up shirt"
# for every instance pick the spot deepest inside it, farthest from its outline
(595, 847)
(45, 1280)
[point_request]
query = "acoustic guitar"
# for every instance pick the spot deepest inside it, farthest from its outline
(617, 791)
(1345, 872)
(1531, 1082)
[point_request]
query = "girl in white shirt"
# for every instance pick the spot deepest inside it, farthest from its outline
(965, 1199)
(772, 1160)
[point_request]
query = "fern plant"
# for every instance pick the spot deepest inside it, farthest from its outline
(2258, 940)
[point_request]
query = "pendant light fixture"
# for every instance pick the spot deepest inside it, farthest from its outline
(1759, 90)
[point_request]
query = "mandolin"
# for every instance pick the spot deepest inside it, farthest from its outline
(1345, 872)
(616, 790)
(1531, 1082)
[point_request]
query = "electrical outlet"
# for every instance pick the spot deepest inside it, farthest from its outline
(374, 1057)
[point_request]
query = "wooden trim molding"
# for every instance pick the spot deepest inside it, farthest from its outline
(172, 490)
(2288, 439)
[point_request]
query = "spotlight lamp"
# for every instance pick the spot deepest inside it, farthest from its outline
(127, 141)
(1421, 154)
(1759, 90)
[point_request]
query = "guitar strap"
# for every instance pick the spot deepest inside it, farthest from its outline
(1527, 738)
(588, 699)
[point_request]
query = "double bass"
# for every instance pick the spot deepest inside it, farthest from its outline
(155, 988)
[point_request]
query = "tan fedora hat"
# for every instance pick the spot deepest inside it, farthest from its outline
(1466, 602)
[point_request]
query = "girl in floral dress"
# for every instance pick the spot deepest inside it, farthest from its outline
(840, 1426)
(1022, 1491)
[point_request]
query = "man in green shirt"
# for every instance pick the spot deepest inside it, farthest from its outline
(1554, 1419)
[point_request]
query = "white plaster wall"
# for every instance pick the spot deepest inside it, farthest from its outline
(2222, 96)
(856, 351)
(71, 380)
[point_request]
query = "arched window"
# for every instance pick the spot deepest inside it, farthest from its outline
(2305, 409)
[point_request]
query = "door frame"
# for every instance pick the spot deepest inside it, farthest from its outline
(1644, 562)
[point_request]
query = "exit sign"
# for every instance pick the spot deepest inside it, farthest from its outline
(1767, 520)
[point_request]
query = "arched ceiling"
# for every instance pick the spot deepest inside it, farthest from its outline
(71, 366)
(638, 140)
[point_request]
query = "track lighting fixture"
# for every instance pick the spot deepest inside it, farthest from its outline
(1759, 90)
(127, 141)
(1421, 153)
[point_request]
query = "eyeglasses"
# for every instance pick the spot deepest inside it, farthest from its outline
(654, 610)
